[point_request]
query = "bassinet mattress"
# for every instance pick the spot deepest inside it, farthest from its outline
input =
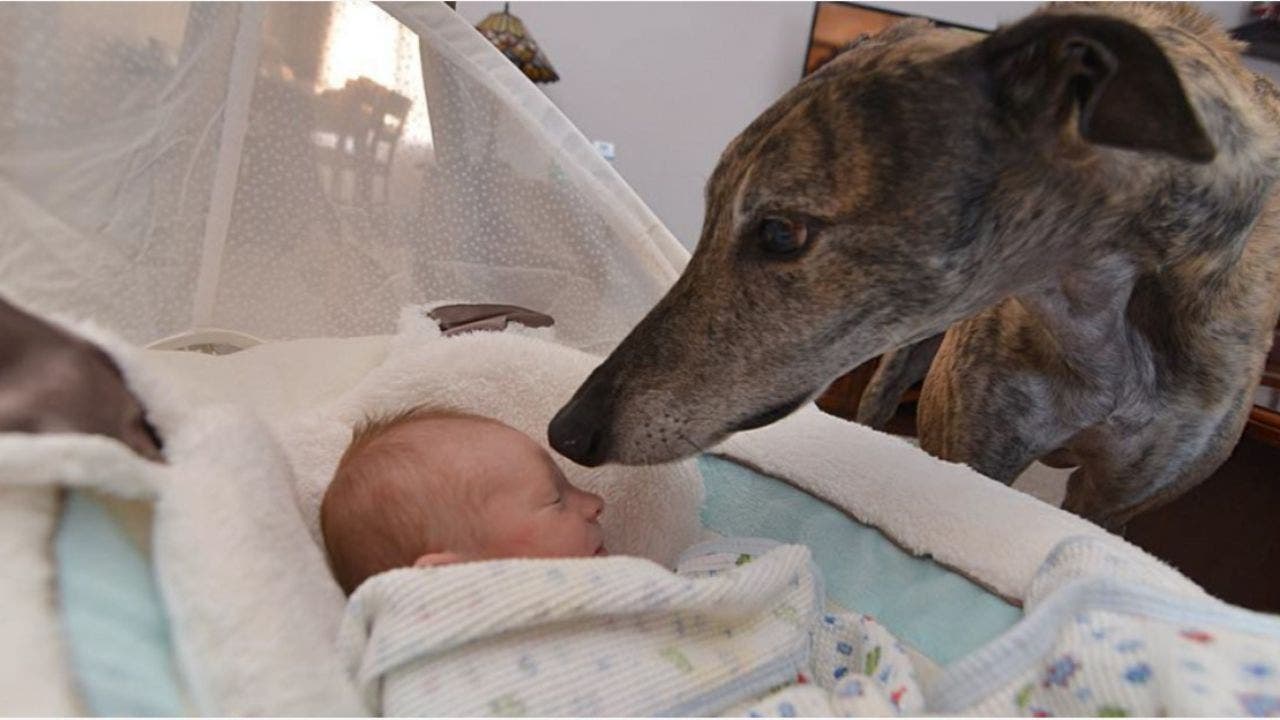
(123, 665)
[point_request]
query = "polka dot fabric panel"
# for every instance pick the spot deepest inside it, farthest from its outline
(110, 119)
(301, 169)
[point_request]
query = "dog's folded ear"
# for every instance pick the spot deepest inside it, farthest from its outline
(1107, 74)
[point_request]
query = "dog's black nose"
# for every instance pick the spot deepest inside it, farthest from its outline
(580, 430)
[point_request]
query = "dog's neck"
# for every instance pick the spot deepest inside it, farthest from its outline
(1108, 305)
(1082, 307)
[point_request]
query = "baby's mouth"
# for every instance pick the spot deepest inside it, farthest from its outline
(600, 551)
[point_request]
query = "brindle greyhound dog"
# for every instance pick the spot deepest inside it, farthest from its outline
(1084, 198)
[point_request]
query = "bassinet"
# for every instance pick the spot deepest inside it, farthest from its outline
(218, 174)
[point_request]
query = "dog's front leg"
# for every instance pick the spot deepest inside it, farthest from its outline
(898, 371)
(1127, 470)
(1111, 490)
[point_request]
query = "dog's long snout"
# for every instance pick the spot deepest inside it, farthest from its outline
(580, 431)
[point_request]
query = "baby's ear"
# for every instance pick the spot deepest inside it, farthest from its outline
(438, 559)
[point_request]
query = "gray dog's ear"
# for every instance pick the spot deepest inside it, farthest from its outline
(1119, 83)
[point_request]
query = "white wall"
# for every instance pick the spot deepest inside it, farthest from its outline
(671, 83)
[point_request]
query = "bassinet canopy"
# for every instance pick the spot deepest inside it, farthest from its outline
(299, 170)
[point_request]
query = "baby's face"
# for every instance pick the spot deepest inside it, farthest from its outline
(531, 509)
(523, 505)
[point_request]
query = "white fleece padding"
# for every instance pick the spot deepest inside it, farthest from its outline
(250, 598)
(34, 674)
(990, 533)
(253, 610)
(71, 460)
(277, 379)
(987, 532)
(521, 377)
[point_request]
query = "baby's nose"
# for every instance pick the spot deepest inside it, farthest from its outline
(594, 506)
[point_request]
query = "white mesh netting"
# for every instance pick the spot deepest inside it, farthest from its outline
(295, 170)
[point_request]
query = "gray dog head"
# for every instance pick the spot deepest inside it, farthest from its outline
(913, 181)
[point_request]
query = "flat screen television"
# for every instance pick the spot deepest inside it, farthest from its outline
(836, 24)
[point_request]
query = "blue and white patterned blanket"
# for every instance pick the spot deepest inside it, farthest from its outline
(1106, 633)
(741, 629)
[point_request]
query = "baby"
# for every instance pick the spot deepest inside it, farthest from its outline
(430, 488)
(417, 496)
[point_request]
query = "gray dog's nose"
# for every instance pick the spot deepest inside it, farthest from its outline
(580, 430)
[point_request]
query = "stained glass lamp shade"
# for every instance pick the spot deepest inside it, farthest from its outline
(507, 32)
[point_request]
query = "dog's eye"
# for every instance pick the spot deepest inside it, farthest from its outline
(781, 237)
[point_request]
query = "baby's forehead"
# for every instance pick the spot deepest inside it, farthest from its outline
(450, 429)
(467, 439)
